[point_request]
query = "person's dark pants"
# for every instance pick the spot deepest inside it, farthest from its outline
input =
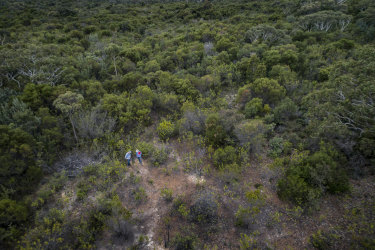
(128, 162)
(140, 160)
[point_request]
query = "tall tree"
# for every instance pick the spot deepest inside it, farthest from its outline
(69, 103)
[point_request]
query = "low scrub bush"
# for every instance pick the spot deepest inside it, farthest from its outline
(183, 211)
(122, 230)
(225, 156)
(245, 216)
(146, 149)
(184, 241)
(325, 240)
(140, 194)
(251, 135)
(159, 156)
(204, 210)
(82, 190)
(276, 147)
(167, 194)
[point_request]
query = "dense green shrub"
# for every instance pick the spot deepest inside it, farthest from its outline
(139, 105)
(215, 133)
(159, 156)
(285, 111)
(276, 147)
(268, 89)
(310, 177)
(82, 190)
(294, 187)
(251, 68)
(254, 108)
(245, 216)
(204, 210)
(325, 240)
(146, 148)
(49, 232)
(152, 66)
(165, 130)
(224, 156)
(12, 212)
(307, 66)
(168, 103)
(17, 155)
(184, 241)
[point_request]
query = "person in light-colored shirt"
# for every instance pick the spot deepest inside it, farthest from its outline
(128, 157)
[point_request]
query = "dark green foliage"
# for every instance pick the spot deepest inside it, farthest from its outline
(309, 177)
(224, 156)
(82, 189)
(287, 110)
(139, 106)
(99, 76)
(215, 133)
(17, 113)
(13, 216)
(243, 95)
(253, 108)
(204, 211)
(276, 146)
(324, 240)
(146, 148)
(184, 241)
(92, 91)
(17, 154)
(268, 89)
(251, 68)
(37, 96)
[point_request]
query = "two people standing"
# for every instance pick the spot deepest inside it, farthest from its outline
(128, 156)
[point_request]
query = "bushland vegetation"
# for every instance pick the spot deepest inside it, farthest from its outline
(285, 87)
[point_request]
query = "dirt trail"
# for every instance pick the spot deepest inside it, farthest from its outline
(153, 180)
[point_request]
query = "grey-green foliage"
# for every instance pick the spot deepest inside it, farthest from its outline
(93, 123)
(68, 103)
(276, 146)
(193, 120)
(325, 21)
(17, 113)
(204, 210)
(264, 32)
(122, 230)
(251, 135)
